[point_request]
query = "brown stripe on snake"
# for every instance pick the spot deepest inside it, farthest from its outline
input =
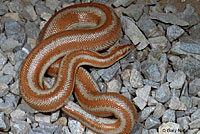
(67, 45)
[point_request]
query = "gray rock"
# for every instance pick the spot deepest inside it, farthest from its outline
(152, 122)
(195, 32)
(160, 43)
(170, 8)
(163, 93)
(195, 124)
(95, 75)
(54, 116)
(25, 107)
(176, 104)
(193, 48)
(147, 26)
(137, 129)
(118, 3)
(151, 83)
(10, 44)
(188, 65)
(180, 113)
(3, 8)
(65, 130)
(151, 71)
(187, 101)
(18, 115)
(52, 4)
(19, 56)
(140, 102)
(42, 118)
(14, 88)
(9, 69)
(20, 127)
(32, 30)
(114, 86)
(152, 101)
(15, 6)
(134, 11)
(146, 113)
(194, 86)
(129, 87)
(133, 32)
(143, 93)
(168, 116)
(102, 87)
(195, 115)
(7, 79)
(136, 79)
(109, 73)
(168, 18)
(159, 111)
(40, 8)
(48, 127)
(4, 122)
(178, 80)
(184, 122)
(174, 32)
(3, 89)
(75, 126)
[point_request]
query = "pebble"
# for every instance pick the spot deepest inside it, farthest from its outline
(14, 16)
(187, 101)
(3, 8)
(179, 78)
(184, 122)
(3, 89)
(195, 32)
(125, 3)
(159, 110)
(61, 121)
(152, 122)
(140, 102)
(161, 43)
(194, 86)
(109, 73)
(136, 79)
(168, 18)
(51, 128)
(134, 11)
(174, 32)
(163, 93)
(18, 115)
(20, 127)
(4, 122)
(10, 44)
(143, 93)
(134, 33)
(195, 124)
(14, 88)
(32, 30)
(54, 116)
(65, 130)
(176, 104)
(146, 113)
(29, 13)
(147, 26)
(170, 8)
(114, 86)
(7, 79)
(75, 127)
(169, 115)
(52, 4)
(42, 118)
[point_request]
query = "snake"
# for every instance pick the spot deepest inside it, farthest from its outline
(77, 36)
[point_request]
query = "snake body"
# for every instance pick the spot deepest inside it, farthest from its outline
(64, 47)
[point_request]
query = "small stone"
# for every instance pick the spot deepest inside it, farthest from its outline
(18, 115)
(146, 112)
(160, 43)
(14, 88)
(3, 89)
(195, 124)
(124, 3)
(75, 127)
(170, 8)
(163, 93)
(32, 30)
(48, 127)
(3, 8)
(10, 44)
(187, 101)
(184, 122)
(152, 122)
(180, 114)
(152, 101)
(114, 86)
(52, 4)
(195, 115)
(176, 104)
(143, 93)
(30, 13)
(61, 121)
(3, 60)
(140, 102)
(20, 127)
(9, 69)
(174, 32)
(7, 79)
(147, 26)
(108, 74)
(14, 16)
(129, 87)
(151, 71)
(194, 86)
(136, 79)
(151, 83)
(168, 116)
(159, 111)
(54, 116)
(134, 11)
(168, 18)
(126, 75)
(195, 32)
(169, 127)
(178, 80)
(42, 118)
(133, 32)
(46, 16)
(4, 122)
(192, 48)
